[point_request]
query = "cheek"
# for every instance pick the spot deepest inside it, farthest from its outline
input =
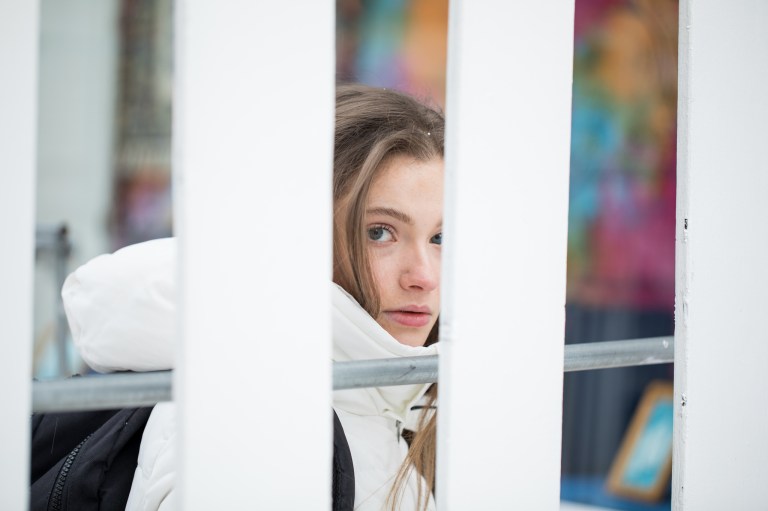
(383, 268)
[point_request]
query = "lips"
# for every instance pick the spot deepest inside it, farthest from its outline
(412, 316)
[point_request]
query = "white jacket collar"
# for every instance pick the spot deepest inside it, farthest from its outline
(357, 336)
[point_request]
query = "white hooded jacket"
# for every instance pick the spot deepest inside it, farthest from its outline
(121, 310)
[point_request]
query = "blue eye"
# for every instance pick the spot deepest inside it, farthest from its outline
(437, 239)
(380, 234)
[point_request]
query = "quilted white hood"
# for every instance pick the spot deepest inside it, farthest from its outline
(121, 309)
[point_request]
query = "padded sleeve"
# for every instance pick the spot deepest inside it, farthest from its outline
(154, 482)
(121, 308)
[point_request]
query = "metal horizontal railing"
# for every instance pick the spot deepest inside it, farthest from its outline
(53, 237)
(124, 390)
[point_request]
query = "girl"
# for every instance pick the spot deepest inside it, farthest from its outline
(388, 207)
(388, 196)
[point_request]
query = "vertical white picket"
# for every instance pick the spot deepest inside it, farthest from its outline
(507, 156)
(253, 121)
(721, 341)
(19, 35)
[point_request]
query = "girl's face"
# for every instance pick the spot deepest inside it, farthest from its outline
(404, 222)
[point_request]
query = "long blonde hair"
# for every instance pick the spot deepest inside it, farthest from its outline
(373, 125)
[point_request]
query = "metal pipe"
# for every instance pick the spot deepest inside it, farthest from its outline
(123, 390)
(61, 256)
(49, 237)
(55, 240)
(102, 392)
(612, 354)
(384, 372)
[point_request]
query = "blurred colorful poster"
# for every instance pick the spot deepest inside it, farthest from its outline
(621, 233)
(399, 44)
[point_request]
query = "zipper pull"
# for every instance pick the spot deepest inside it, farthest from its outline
(398, 425)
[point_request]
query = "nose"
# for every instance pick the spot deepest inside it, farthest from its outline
(420, 270)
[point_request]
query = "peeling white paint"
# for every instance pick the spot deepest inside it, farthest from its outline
(720, 443)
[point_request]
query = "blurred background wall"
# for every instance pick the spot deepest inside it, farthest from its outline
(79, 63)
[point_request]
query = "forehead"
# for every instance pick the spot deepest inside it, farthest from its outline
(409, 184)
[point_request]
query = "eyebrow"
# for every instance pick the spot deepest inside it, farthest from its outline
(394, 213)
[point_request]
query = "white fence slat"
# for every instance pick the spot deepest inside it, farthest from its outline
(721, 342)
(19, 35)
(252, 161)
(507, 156)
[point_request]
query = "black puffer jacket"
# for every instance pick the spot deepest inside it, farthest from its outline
(86, 461)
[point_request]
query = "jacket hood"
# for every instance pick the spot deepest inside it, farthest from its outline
(121, 309)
